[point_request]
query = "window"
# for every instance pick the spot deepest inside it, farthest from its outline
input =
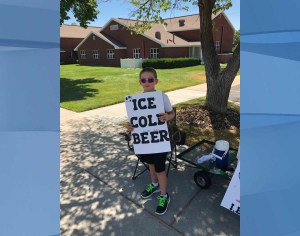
(82, 54)
(110, 54)
(217, 45)
(70, 55)
(114, 27)
(136, 53)
(181, 23)
(94, 37)
(154, 52)
(95, 54)
(157, 35)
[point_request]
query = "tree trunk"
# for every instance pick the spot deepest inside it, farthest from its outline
(218, 88)
(218, 81)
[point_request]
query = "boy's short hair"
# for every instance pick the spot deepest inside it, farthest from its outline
(149, 69)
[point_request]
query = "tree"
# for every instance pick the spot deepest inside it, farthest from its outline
(218, 80)
(236, 39)
(84, 11)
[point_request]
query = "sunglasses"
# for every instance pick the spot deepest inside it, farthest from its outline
(150, 80)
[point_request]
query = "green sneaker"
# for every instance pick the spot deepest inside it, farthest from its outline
(163, 203)
(149, 191)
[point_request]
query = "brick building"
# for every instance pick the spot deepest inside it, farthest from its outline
(179, 38)
(70, 37)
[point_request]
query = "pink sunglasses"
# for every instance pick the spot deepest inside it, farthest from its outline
(150, 80)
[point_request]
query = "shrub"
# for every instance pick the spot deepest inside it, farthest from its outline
(169, 63)
(69, 61)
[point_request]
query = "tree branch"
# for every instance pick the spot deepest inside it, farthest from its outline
(233, 65)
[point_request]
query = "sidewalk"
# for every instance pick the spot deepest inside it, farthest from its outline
(98, 196)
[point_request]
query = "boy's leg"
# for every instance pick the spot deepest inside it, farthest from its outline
(164, 198)
(153, 174)
(163, 182)
(160, 166)
(154, 186)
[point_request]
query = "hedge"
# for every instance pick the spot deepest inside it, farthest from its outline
(169, 63)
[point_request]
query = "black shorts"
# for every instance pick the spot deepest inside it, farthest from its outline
(158, 159)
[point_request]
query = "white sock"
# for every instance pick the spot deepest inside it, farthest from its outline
(155, 184)
(166, 195)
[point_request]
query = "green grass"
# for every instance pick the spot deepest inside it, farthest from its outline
(195, 134)
(88, 87)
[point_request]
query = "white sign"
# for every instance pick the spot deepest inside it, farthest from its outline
(150, 135)
(231, 199)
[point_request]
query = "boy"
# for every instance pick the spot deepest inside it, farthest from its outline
(156, 161)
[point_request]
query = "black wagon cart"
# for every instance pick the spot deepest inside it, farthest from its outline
(207, 170)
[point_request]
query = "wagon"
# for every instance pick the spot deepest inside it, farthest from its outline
(205, 172)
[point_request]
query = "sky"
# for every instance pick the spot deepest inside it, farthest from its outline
(122, 9)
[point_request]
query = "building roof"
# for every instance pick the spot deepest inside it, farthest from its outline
(75, 31)
(116, 44)
(191, 22)
(167, 39)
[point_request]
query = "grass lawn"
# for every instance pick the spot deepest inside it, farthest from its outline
(195, 134)
(84, 88)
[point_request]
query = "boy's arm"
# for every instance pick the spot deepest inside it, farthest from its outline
(129, 127)
(167, 116)
(171, 115)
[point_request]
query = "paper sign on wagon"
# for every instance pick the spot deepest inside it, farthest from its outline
(231, 200)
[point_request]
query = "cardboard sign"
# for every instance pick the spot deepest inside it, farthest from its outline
(231, 199)
(150, 135)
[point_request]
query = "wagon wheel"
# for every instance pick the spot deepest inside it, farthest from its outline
(202, 179)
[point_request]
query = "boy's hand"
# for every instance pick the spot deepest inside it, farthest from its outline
(167, 116)
(129, 127)
(164, 117)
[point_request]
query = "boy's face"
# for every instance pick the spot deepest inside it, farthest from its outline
(148, 81)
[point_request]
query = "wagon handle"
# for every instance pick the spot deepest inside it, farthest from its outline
(224, 154)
